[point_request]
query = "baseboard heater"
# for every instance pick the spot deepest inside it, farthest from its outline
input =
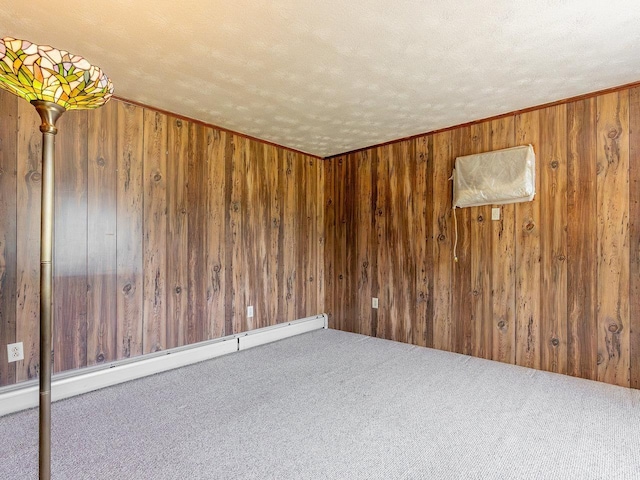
(68, 384)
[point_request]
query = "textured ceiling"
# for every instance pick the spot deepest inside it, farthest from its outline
(331, 76)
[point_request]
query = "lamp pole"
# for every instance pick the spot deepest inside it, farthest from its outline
(49, 113)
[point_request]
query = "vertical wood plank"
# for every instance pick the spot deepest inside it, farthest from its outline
(480, 260)
(363, 214)
(177, 232)
(553, 249)
(236, 226)
(319, 173)
(503, 265)
(385, 322)
(528, 273)
(29, 177)
(634, 236)
(422, 224)
(197, 315)
(461, 285)
(215, 226)
(130, 230)
(8, 226)
(443, 234)
(70, 237)
(102, 224)
(581, 239)
(613, 237)
(330, 247)
(155, 231)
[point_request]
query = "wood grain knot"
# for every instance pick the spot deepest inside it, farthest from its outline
(480, 219)
(235, 206)
(329, 202)
(600, 359)
(178, 123)
(216, 268)
(476, 293)
(441, 237)
(101, 162)
(613, 133)
(380, 212)
(100, 358)
(157, 177)
(555, 342)
(501, 324)
(554, 164)
(288, 171)
(614, 328)
(365, 265)
(127, 288)
(562, 258)
(340, 277)
(530, 226)
(178, 290)
(183, 211)
(311, 279)
(35, 176)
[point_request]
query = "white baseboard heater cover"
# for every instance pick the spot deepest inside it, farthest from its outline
(68, 384)
(492, 178)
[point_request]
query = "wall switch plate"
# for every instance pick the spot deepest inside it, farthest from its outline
(495, 214)
(15, 352)
(250, 311)
(374, 302)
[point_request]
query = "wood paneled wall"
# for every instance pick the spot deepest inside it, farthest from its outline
(553, 285)
(165, 231)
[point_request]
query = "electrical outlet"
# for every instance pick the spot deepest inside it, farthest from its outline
(495, 213)
(15, 352)
(374, 302)
(250, 311)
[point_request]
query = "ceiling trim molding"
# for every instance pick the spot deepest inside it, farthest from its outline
(216, 127)
(495, 117)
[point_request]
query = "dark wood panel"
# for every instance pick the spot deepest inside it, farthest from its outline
(102, 221)
(29, 177)
(552, 157)
(8, 240)
(216, 230)
(581, 239)
(130, 231)
(528, 272)
(480, 260)
(613, 237)
(365, 247)
(70, 237)
(634, 236)
(503, 248)
(330, 227)
(177, 232)
(155, 228)
(443, 233)
(197, 307)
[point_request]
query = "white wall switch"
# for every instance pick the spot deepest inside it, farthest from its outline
(374, 302)
(250, 311)
(15, 352)
(495, 213)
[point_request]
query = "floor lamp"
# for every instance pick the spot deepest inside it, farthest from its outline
(53, 81)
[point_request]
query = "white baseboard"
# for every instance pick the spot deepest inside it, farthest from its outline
(25, 395)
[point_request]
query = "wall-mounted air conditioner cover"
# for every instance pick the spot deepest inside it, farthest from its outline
(498, 177)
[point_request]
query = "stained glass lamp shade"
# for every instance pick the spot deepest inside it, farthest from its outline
(53, 81)
(40, 72)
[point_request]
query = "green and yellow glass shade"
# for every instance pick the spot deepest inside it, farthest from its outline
(53, 81)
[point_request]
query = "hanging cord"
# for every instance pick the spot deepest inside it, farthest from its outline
(455, 243)
(455, 222)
